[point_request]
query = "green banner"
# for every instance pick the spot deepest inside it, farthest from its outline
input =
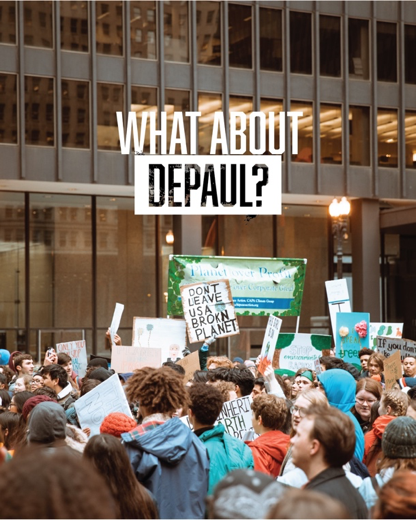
(259, 286)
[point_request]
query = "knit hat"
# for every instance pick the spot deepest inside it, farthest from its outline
(98, 362)
(4, 356)
(32, 402)
(101, 374)
(117, 423)
(399, 439)
(238, 360)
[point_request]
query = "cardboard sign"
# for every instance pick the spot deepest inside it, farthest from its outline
(392, 370)
(351, 335)
(78, 352)
(388, 346)
(115, 323)
(166, 334)
(106, 398)
(269, 343)
(301, 350)
(338, 300)
(126, 359)
(209, 309)
(388, 330)
(190, 363)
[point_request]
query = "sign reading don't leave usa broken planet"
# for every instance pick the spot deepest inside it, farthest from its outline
(209, 309)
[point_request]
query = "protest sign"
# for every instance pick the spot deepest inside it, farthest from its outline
(392, 370)
(167, 334)
(115, 323)
(351, 335)
(259, 286)
(388, 330)
(388, 346)
(338, 299)
(269, 343)
(301, 350)
(208, 310)
(78, 352)
(190, 363)
(126, 359)
(93, 407)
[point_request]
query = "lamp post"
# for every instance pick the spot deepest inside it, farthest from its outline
(339, 212)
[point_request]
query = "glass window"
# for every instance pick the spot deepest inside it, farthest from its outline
(331, 134)
(300, 43)
(387, 137)
(305, 131)
(110, 99)
(75, 114)
(177, 101)
(245, 105)
(38, 24)
(7, 22)
(209, 33)
(386, 52)
(74, 26)
(60, 269)
(144, 99)
(409, 54)
(208, 104)
(271, 39)
(176, 31)
(330, 45)
(410, 138)
(39, 110)
(143, 29)
(109, 27)
(358, 49)
(240, 36)
(359, 126)
(8, 108)
(275, 106)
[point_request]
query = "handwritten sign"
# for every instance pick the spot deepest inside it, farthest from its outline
(190, 364)
(392, 370)
(338, 299)
(78, 352)
(126, 359)
(388, 330)
(269, 343)
(166, 334)
(106, 398)
(388, 346)
(209, 309)
(301, 350)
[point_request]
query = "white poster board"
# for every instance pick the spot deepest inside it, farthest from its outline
(78, 352)
(388, 330)
(338, 299)
(115, 323)
(269, 343)
(166, 334)
(127, 359)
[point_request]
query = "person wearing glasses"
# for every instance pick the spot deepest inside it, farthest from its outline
(37, 382)
(367, 394)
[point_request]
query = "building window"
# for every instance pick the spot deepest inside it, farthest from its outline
(275, 106)
(8, 113)
(176, 31)
(245, 105)
(209, 45)
(271, 39)
(39, 99)
(7, 22)
(38, 28)
(240, 36)
(107, 132)
(331, 134)
(358, 49)
(386, 52)
(387, 137)
(177, 101)
(330, 46)
(143, 29)
(409, 54)
(300, 43)
(76, 128)
(359, 127)
(208, 104)
(410, 138)
(109, 20)
(144, 99)
(305, 131)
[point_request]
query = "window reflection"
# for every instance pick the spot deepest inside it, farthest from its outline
(75, 114)
(410, 138)
(358, 49)
(176, 31)
(144, 99)
(208, 104)
(359, 126)
(409, 54)
(39, 111)
(387, 137)
(300, 43)
(271, 39)
(240, 36)
(109, 27)
(386, 52)
(275, 106)
(38, 24)
(245, 105)
(305, 133)
(143, 29)
(331, 133)
(74, 26)
(110, 99)
(7, 22)
(330, 46)
(209, 32)
(177, 101)
(8, 108)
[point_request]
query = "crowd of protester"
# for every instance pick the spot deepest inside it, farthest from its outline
(328, 444)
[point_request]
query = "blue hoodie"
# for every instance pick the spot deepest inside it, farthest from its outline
(340, 389)
(172, 463)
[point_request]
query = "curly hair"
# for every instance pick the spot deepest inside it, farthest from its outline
(159, 391)
(206, 403)
(397, 400)
(224, 387)
(273, 410)
(220, 361)
(397, 497)
(45, 390)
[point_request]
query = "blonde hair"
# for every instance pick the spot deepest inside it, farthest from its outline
(397, 400)
(314, 396)
(220, 361)
(224, 387)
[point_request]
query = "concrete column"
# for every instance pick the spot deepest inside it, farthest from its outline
(365, 235)
(188, 234)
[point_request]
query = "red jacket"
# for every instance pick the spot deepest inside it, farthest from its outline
(269, 450)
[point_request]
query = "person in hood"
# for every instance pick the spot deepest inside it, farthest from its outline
(47, 426)
(166, 456)
(339, 387)
(226, 453)
(269, 449)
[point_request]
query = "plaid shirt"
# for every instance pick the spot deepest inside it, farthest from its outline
(151, 422)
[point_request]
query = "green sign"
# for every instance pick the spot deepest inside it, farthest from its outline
(259, 286)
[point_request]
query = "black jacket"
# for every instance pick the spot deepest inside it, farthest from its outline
(334, 483)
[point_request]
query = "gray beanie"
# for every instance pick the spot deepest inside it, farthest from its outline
(399, 439)
(47, 423)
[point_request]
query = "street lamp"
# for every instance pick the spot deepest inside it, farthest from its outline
(339, 212)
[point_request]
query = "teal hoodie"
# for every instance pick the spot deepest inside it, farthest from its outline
(340, 387)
